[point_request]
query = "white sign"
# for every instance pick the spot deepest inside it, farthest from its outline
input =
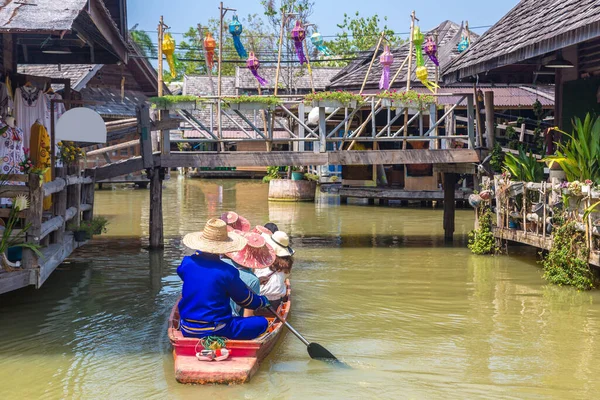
(81, 125)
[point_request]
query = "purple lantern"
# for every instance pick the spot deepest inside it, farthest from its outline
(253, 65)
(299, 34)
(430, 48)
(386, 59)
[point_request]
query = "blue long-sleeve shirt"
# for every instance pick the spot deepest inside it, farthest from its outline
(208, 284)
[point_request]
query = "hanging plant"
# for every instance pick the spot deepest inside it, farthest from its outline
(482, 240)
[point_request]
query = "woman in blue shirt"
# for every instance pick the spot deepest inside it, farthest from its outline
(209, 283)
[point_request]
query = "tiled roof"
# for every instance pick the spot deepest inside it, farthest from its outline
(112, 106)
(75, 72)
(203, 85)
(530, 29)
(449, 35)
(43, 15)
(193, 134)
(296, 78)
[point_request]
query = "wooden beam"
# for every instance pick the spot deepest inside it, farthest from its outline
(454, 168)
(107, 28)
(144, 130)
(10, 281)
(119, 168)
(53, 256)
(403, 157)
(57, 185)
(60, 206)
(489, 118)
(397, 194)
(242, 159)
(51, 225)
(156, 212)
(113, 148)
(166, 124)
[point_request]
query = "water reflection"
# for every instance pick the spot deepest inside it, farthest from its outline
(378, 286)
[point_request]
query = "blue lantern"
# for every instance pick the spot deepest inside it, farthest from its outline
(235, 28)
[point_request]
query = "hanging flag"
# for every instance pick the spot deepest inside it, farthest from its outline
(317, 41)
(430, 48)
(235, 28)
(463, 44)
(168, 48)
(298, 35)
(386, 59)
(209, 47)
(253, 65)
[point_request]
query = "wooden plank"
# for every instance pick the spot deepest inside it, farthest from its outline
(5, 213)
(398, 194)
(403, 157)
(119, 168)
(53, 256)
(156, 212)
(144, 130)
(57, 185)
(166, 124)
(51, 225)
(454, 168)
(70, 213)
(88, 199)
(242, 159)
(85, 207)
(113, 148)
(13, 191)
(10, 281)
(16, 178)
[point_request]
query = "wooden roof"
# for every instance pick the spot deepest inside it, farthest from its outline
(296, 78)
(531, 29)
(352, 76)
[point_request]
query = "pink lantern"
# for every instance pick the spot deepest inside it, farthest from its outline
(386, 59)
(253, 65)
(298, 35)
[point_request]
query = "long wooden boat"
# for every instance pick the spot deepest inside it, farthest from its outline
(244, 358)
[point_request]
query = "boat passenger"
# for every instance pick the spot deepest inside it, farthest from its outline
(272, 227)
(256, 255)
(236, 221)
(272, 280)
(209, 283)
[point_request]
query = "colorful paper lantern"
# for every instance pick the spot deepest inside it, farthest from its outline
(317, 41)
(430, 48)
(298, 35)
(386, 59)
(209, 47)
(235, 28)
(253, 65)
(168, 48)
(463, 44)
(421, 71)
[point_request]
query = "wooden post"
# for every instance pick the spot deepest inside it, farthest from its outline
(88, 198)
(381, 36)
(433, 110)
(220, 59)
(471, 122)
(34, 217)
(144, 130)
(160, 56)
(60, 206)
(409, 75)
(74, 195)
(52, 141)
(478, 117)
(156, 212)
(283, 21)
(522, 135)
(489, 119)
(322, 144)
(449, 205)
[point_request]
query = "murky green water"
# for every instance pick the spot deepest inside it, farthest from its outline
(377, 286)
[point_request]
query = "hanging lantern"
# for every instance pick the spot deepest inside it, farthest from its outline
(418, 40)
(423, 76)
(386, 59)
(253, 65)
(298, 35)
(463, 44)
(168, 48)
(317, 41)
(430, 48)
(235, 28)
(209, 47)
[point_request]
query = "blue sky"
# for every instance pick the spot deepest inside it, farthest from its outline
(182, 14)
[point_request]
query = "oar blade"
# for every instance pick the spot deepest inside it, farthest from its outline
(318, 352)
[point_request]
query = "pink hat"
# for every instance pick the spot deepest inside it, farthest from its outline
(261, 229)
(257, 254)
(236, 221)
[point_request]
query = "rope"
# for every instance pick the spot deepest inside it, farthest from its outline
(213, 342)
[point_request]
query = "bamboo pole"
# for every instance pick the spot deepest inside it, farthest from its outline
(221, 15)
(437, 81)
(409, 74)
(283, 21)
(310, 74)
(381, 36)
(160, 56)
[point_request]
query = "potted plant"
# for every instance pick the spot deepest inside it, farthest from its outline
(339, 99)
(81, 232)
(296, 173)
(250, 103)
(99, 225)
(173, 103)
(409, 99)
(15, 240)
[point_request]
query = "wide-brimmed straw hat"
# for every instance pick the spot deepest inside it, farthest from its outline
(257, 254)
(261, 229)
(280, 241)
(236, 221)
(214, 239)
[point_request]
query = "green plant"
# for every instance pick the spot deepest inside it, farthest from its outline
(272, 173)
(524, 167)
(20, 203)
(70, 153)
(270, 101)
(567, 261)
(497, 159)
(98, 225)
(579, 156)
(164, 102)
(410, 98)
(334, 178)
(311, 177)
(481, 240)
(346, 98)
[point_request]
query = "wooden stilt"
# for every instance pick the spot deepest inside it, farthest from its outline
(60, 206)
(74, 196)
(490, 133)
(449, 205)
(156, 212)
(34, 217)
(409, 74)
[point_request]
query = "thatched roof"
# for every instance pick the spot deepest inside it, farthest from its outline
(352, 76)
(531, 29)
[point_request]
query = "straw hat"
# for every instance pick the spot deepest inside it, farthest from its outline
(214, 239)
(256, 255)
(236, 221)
(280, 241)
(261, 229)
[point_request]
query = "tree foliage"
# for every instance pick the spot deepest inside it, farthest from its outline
(143, 40)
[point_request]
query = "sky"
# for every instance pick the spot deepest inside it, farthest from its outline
(182, 14)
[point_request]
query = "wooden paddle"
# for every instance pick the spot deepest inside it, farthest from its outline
(315, 350)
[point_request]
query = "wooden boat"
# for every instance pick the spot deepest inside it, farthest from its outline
(244, 359)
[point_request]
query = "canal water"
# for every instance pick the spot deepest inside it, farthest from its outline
(377, 286)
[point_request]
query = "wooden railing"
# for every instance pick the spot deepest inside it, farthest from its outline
(73, 200)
